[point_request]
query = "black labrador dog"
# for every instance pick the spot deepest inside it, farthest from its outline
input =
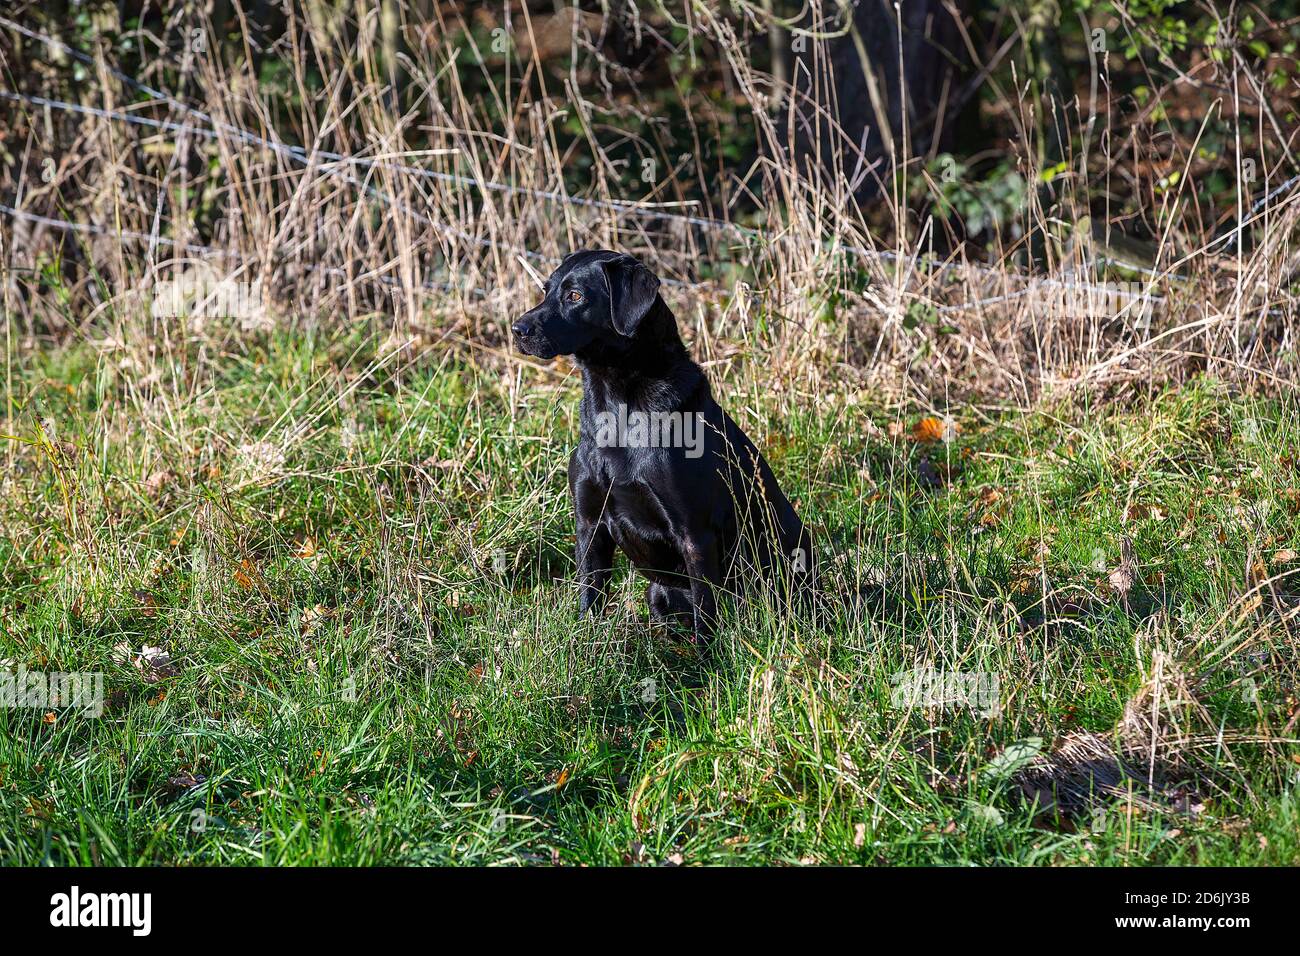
(660, 471)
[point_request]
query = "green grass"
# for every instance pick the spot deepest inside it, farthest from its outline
(377, 657)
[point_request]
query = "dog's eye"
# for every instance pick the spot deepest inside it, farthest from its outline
(573, 295)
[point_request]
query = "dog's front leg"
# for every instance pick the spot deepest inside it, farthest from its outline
(595, 554)
(705, 570)
(595, 545)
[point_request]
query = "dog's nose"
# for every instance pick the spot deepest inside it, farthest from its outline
(522, 328)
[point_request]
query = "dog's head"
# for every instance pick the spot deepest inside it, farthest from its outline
(596, 302)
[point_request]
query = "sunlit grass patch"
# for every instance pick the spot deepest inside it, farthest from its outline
(332, 602)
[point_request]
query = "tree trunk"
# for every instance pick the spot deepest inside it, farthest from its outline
(894, 80)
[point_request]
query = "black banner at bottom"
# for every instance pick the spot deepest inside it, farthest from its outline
(230, 906)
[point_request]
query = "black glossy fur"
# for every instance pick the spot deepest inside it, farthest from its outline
(692, 525)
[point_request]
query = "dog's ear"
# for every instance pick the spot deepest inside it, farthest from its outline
(632, 290)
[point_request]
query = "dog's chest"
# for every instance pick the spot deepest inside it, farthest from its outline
(643, 529)
(633, 490)
(641, 506)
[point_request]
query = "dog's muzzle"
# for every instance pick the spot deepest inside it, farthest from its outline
(529, 338)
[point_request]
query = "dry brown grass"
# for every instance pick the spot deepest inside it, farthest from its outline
(439, 215)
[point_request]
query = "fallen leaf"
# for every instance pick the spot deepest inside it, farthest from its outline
(147, 605)
(155, 484)
(1140, 511)
(1023, 583)
(154, 664)
(441, 464)
(928, 430)
(243, 574)
(311, 617)
(1257, 573)
(1121, 579)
